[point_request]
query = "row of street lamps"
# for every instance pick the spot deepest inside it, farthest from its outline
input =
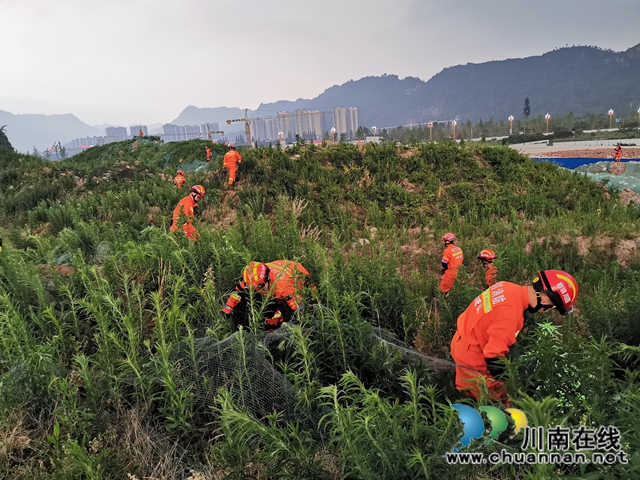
(611, 117)
(547, 117)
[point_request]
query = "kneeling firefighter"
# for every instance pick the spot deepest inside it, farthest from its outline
(276, 289)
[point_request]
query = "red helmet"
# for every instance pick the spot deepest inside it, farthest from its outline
(255, 275)
(231, 147)
(199, 190)
(559, 286)
(180, 172)
(449, 237)
(487, 255)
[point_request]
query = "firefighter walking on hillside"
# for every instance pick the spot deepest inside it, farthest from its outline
(490, 325)
(179, 179)
(186, 207)
(276, 289)
(208, 152)
(487, 257)
(231, 160)
(452, 258)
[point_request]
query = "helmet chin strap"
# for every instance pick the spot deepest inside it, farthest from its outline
(539, 306)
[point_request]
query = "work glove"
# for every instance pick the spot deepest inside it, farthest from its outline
(496, 366)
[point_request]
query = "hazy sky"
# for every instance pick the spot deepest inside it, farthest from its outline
(130, 61)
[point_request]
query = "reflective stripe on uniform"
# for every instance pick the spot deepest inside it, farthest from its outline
(486, 301)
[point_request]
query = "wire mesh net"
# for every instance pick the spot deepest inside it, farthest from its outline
(601, 172)
(198, 166)
(242, 364)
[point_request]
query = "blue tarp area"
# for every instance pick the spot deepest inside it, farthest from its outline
(577, 162)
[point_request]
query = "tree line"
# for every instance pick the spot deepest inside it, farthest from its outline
(492, 128)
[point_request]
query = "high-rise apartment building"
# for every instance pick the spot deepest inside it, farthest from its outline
(191, 131)
(170, 133)
(340, 120)
(352, 120)
(134, 130)
(257, 129)
(345, 119)
(286, 125)
(264, 129)
(309, 124)
(116, 132)
(177, 133)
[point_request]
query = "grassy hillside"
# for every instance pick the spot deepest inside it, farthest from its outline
(113, 346)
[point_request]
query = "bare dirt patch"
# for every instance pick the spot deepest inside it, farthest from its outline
(408, 186)
(625, 250)
(617, 168)
(407, 153)
(627, 196)
(223, 216)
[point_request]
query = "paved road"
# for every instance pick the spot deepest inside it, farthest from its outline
(542, 149)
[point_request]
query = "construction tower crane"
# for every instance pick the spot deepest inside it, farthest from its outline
(247, 127)
(209, 133)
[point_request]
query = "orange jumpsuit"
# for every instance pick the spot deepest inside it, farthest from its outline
(487, 329)
(208, 150)
(491, 274)
(179, 180)
(618, 150)
(186, 207)
(230, 162)
(285, 281)
(452, 257)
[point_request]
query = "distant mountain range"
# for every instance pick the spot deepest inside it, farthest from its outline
(28, 130)
(581, 80)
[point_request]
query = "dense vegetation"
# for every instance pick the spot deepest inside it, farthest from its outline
(96, 296)
(4, 140)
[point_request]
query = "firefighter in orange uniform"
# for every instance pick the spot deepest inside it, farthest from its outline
(487, 257)
(208, 150)
(140, 134)
(179, 179)
(230, 162)
(276, 287)
(187, 207)
(618, 150)
(490, 325)
(452, 258)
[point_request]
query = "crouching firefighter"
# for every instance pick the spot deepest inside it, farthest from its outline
(488, 328)
(274, 288)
